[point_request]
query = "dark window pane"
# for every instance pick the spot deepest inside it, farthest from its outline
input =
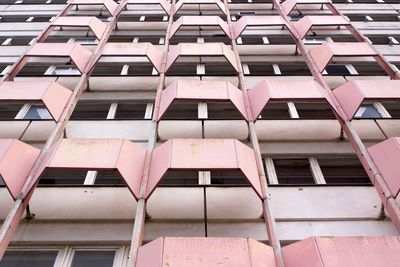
(314, 111)
(37, 113)
(1, 181)
(180, 178)
(29, 259)
(93, 259)
(275, 111)
(333, 69)
(293, 171)
(343, 171)
(228, 178)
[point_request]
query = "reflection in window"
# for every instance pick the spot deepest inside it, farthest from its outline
(93, 258)
(37, 112)
(367, 111)
(1, 181)
(29, 259)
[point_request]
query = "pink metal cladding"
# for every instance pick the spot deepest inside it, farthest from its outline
(123, 155)
(247, 21)
(267, 90)
(343, 252)
(97, 26)
(205, 252)
(110, 5)
(324, 53)
(203, 154)
(16, 161)
(164, 4)
(289, 5)
(201, 49)
(353, 93)
(202, 90)
(199, 21)
(78, 54)
(135, 49)
(53, 95)
(304, 25)
(179, 4)
(386, 157)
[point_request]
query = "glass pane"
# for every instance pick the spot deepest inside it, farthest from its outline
(293, 171)
(37, 113)
(29, 259)
(1, 181)
(93, 259)
(367, 112)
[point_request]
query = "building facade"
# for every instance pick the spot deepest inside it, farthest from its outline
(199, 133)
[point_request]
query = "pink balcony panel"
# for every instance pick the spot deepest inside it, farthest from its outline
(249, 21)
(304, 25)
(267, 90)
(199, 21)
(324, 53)
(289, 5)
(343, 252)
(386, 156)
(97, 26)
(78, 54)
(110, 5)
(205, 252)
(218, 3)
(201, 49)
(91, 154)
(53, 95)
(164, 4)
(202, 91)
(16, 162)
(135, 49)
(352, 94)
(203, 154)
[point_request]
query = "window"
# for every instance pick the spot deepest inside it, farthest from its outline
(337, 69)
(130, 111)
(393, 107)
(228, 178)
(275, 111)
(37, 112)
(29, 259)
(293, 171)
(96, 258)
(178, 178)
(367, 111)
(1, 181)
(313, 110)
(90, 110)
(66, 71)
(343, 170)
(9, 112)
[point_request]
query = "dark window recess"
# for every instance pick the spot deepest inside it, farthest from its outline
(130, 111)
(369, 69)
(93, 258)
(179, 69)
(57, 39)
(261, 69)
(9, 111)
(120, 39)
(223, 110)
(217, 38)
(275, 111)
(280, 39)
(252, 40)
(52, 177)
(140, 69)
(21, 41)
(37, 112)
(33, 70)
(228, 178)
(337, 69)
(109, 177)
(128, 18)
(41, 19)
(29, 259)
(1, 181)
(155, 40)
(239, 1)
(296, 17)
(381, 39)
(223, 69)
(294, 69)
(347, 170)
(90, 110)
(393, 107)
(367, 111)
(107, 70)
(313, 110)
(182, 39)
(343, 38)
(5, 19)
(181, 110)
(179, 178)
(293, 171)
